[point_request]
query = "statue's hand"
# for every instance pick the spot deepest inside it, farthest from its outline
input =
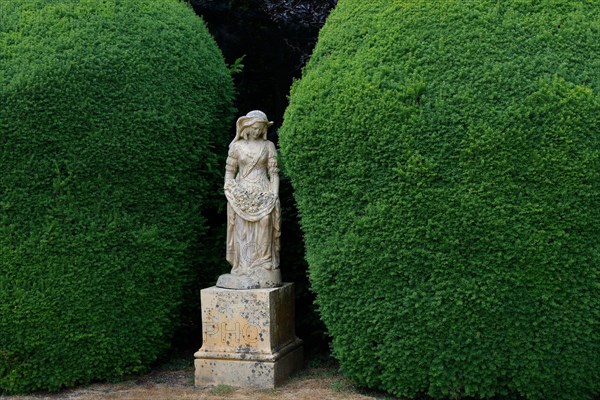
(229, 183)
(273, 191)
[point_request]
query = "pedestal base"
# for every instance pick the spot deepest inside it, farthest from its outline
(240, 372)
(248, 338)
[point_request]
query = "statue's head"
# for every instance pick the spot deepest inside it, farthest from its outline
(254, 121)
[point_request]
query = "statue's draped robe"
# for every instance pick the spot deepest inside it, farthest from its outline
(253, 212)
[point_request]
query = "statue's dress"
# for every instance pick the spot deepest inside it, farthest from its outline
(253, 212)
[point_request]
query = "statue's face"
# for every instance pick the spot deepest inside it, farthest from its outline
(256, 130)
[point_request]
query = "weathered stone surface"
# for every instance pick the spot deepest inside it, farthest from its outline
(248, 337)
(260, 279)
(248, 373)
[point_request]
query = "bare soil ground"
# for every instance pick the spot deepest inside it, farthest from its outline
(176, 381)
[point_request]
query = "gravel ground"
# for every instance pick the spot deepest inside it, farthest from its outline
(176, 381)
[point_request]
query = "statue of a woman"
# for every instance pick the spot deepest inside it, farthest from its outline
(253, 210)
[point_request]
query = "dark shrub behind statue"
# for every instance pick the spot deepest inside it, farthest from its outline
(109, 112)
(445, 158)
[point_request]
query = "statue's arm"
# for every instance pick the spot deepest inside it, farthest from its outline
(275, 183)
(273, 169)
(231, 165)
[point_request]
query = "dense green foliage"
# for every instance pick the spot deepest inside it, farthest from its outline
(445, 158)
(109, 115)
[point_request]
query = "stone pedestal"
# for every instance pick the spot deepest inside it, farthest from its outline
(248, 337)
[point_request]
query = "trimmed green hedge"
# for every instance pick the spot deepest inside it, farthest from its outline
(445, 158)
(109, 115)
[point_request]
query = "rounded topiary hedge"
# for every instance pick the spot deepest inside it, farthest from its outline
(445, 158)
(109, 114)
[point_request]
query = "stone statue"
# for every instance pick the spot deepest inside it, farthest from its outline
(253, 209)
